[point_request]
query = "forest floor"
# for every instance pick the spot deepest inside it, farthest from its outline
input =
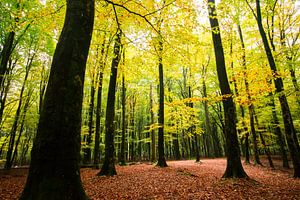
(181, 180)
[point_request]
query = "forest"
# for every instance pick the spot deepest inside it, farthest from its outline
(149, 99)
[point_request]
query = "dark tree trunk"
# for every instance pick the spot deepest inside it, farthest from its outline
(54, 170)
(250, 106)
(26, 105)
(176, 147)
(290, 64)
(161, 162)
(247, 155)
(254, 136)
(153, 145)
(98, 122)
(87, 150)
(290, 132)
(132, 129)
(5, 88)
(122, 156)
(263, 142)
(8, 163)
(108, 167)
(43, 84)
(5, 55)
(278, 133)
(215, 138)
(234, 167)
(98, 107)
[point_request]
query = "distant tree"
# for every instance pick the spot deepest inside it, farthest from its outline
(54, 170)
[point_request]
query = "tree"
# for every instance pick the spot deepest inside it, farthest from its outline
(234, 168)
(161, 161)
(54, 170)
(108, 167)
(122, 156)
(290, 132)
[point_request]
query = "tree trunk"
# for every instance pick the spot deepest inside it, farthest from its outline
(98, 107)
(26, 105)
(108, 167)
(5, 55)
(234, 167)
(153, 145)
(161, 162)
(122, 156)
(214, 136)
(132, 129)
(54, 170)
(87, 150)
(254, 136)
(290, 132)
(278, 133)
(8, 163)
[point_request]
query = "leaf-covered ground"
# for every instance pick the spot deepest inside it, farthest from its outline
(181, 180)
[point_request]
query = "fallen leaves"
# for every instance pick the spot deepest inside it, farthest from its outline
(181, 180)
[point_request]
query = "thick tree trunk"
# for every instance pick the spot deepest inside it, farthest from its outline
(122, 156)
(290, 132)
(234, 167)
(108, 167)
(54, 170)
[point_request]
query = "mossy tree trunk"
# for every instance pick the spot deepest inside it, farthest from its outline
(54, 170)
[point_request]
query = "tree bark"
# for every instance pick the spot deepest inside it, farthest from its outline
(54, 170)
(108, 167)
(234, 168)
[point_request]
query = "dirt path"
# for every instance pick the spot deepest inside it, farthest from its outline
(181, 180)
